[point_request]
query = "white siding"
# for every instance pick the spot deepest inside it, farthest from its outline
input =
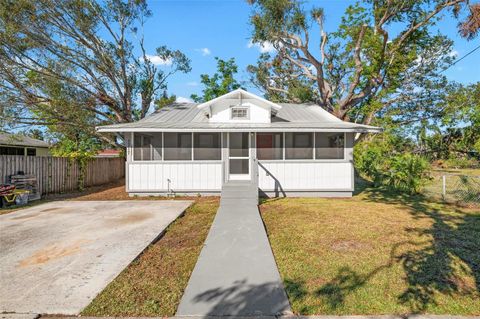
(187, 176)
(314, 176)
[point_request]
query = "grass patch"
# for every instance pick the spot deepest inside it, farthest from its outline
(376, 253)
(154, 283)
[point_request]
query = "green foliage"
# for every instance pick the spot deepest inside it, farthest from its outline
(382, 65)
(461, 162)
(456, 135)
(79, 62)
(164, 100)
(370, 163)
(406, 172)
(386, 162)
(220, 83)
(297, 89)
(78, 148)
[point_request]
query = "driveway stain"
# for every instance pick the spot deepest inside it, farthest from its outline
(27, 216)
(132, 218)
(52, 252)
(50, 209)
(56, 210)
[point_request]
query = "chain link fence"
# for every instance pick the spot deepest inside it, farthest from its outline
(454, 188)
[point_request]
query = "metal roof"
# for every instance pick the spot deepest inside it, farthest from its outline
(21, 140)
(291, 117)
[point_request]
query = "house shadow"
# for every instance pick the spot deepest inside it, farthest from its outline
(432, 261)
(244, 299)
(277, 190)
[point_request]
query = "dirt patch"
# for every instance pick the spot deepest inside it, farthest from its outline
(132, 218)
(348, 245)
(52, 252)
(465, 285)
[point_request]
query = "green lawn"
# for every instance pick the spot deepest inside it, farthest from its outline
(376, 253)
(154, 283)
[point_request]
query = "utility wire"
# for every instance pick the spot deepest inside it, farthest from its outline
(463, 57)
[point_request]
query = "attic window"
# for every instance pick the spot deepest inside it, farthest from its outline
(239, 113)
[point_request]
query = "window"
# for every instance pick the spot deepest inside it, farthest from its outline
(6, 150)
(178, 146)
(147, 146)
(329, 145)
(31, 152)
(206, 146)
(298, 145)
(239, 113)
(269, 146)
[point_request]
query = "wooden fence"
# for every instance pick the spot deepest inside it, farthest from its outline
(59, 174)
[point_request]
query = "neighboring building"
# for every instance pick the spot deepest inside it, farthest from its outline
(286, 149)
(108, 153)
(13, 144)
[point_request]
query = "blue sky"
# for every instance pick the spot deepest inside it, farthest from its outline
(204, 29)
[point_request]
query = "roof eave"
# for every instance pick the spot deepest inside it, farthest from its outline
(236, 129)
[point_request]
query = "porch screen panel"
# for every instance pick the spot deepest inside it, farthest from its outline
(238, 145)
(299, 145)
(206, 146)
(178, 146)
(329, 145)
(269, 146)
(239, 166)
(156, 143)
(147, 146)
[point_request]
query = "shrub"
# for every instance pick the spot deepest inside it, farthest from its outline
(461, 162)
(407, 173)
(370, 163)
(379, 162)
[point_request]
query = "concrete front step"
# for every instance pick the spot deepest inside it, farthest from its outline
(240, 190)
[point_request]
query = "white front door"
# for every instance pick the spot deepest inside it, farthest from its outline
(239, 156)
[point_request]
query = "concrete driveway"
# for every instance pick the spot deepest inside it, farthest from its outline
(56, 257)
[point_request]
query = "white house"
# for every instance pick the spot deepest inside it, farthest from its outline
(286, 149)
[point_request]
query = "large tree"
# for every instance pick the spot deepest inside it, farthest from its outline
(220, 83)
(384, 60)
(470, 27)
(79, 63)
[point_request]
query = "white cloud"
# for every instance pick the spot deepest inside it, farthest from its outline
(193, 83)
(264, 47)
(204, 51)
(155, 59)
(181, 99)
(453, 53)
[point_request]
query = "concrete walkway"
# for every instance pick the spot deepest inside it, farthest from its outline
(236, 274)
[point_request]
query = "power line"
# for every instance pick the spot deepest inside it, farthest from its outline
(463, 57)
